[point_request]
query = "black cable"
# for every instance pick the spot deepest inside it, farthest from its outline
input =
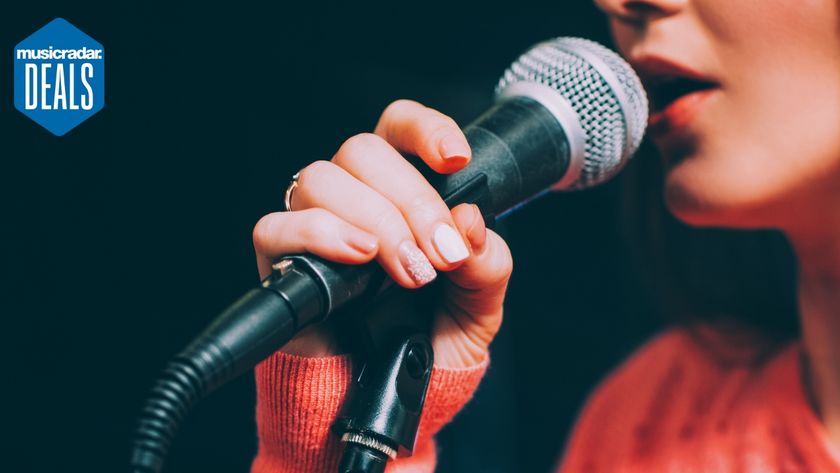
(519, 149)
(247, 332)
(172, 398)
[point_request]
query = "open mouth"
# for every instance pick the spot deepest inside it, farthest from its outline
(665, 90)
(677, 92)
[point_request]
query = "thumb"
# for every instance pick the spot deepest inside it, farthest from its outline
(478, 286)
(473, 294)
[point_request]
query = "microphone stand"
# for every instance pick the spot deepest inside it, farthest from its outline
(392, 359)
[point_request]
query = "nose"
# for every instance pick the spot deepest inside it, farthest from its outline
(641, 10)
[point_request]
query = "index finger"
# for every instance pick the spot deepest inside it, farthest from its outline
(416, 129)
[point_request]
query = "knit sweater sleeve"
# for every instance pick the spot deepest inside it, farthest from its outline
(298, 398)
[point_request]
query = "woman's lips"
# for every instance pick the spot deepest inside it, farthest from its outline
(677, 91)
(677, 115)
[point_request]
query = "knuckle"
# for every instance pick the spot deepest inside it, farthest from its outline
(263, 230)
(388, 221)
(313, 172)
(441, 127)
(450, 121)
(423, 206)
(398, 106)
(503, 261)
(497, 277)
(507, 264)
(399, 118)
(360, 144)
(315, 215)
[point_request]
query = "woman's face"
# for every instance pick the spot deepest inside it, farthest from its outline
(746, 107)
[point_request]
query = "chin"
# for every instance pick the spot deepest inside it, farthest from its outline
(700, 195)
(692, 210)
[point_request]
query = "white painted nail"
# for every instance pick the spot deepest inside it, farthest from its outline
(416, 264)
(449, 244)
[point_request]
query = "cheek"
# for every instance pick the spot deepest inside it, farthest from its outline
(787, 119)
(758, 156)
(767, 23)
(774, 139)
(778, 57)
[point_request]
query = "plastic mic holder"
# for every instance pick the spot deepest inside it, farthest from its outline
(381, 414)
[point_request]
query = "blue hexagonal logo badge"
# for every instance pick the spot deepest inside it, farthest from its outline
(59, 76)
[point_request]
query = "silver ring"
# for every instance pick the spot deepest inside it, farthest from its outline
(287, 199)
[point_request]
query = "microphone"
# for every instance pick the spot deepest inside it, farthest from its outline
(569, 113)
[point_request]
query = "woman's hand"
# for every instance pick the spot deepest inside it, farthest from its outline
(368, 203)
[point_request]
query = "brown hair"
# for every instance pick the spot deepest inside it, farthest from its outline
(729, 277)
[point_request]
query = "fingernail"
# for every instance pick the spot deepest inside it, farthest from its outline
(361, 242)
(454, 148)
(449, 244)
(416, 264)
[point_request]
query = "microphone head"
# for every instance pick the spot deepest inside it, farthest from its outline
(595, 95)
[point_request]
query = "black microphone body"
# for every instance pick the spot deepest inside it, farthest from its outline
(570, 113)
(519, 150)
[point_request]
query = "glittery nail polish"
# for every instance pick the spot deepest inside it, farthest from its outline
(416, 263)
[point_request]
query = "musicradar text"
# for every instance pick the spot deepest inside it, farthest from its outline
(84, 53)
(55, 76)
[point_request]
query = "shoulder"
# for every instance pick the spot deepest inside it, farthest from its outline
(680, 358)
(660, 365)
(647, 399)
(653, 371)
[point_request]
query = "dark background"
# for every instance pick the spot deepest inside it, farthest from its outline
(125, 237)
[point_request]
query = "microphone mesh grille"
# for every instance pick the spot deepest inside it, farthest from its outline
(602, 89)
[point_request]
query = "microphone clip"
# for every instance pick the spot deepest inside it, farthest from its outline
(380, 418)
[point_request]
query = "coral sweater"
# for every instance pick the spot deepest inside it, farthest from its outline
(678, 405)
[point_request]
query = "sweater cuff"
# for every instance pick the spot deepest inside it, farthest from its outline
(298, 398)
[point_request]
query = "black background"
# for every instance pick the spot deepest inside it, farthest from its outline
(125, 237)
